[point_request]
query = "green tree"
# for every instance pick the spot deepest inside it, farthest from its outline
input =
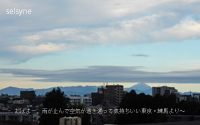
(191, 107)
(128, 102)
(54, 100)
(142, 103)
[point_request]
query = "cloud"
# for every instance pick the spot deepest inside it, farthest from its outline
(140, 55)
(186, 30)
(107, 74)
(81, 24)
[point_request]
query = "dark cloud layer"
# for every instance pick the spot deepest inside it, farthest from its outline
(107, 74)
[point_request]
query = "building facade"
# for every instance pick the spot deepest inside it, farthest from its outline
(108, 95)
(163, 90)
(196, 97)
(11, 118)
(113, 94)
(27, 94)
(87, 101)
(23, 101)
(97, 98)
(70, 121)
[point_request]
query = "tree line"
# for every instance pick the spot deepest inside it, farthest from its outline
(55, 99)
(167, 104)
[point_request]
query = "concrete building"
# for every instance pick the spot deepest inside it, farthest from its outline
(97, 98)
(196, 97)
(87, 95)
(182, 98)
(23, 101)
(188, 97)
(70, 121)
(108, 95)
(14, 119)
(87, 101)
(113, 94)
(163, 90)
(27, 94)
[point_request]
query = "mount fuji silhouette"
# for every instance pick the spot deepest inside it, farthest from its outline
(140, 88)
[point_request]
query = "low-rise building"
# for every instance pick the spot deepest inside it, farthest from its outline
(87, 101)
(197, 97)
(182, 98)
(13, 118)
(70, 121)
(23, 101)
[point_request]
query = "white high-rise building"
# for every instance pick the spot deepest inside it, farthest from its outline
(163, 90)
(87, 101)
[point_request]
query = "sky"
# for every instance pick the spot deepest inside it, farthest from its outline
(90, 42)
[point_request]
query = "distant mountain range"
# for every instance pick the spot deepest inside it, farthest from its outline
(71, 90)
(81, 90)
(188, 93)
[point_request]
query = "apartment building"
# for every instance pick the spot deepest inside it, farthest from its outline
(27, 94)
(70, 121)
(108, 95)
(196, 97)
(87, 101)
(163, 90)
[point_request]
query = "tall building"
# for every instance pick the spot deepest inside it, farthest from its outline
(163, 90)
(97, 98)
(113, 94)
(108, 95)
(27, 94)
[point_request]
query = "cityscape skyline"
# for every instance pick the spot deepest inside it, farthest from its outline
(71, 43)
